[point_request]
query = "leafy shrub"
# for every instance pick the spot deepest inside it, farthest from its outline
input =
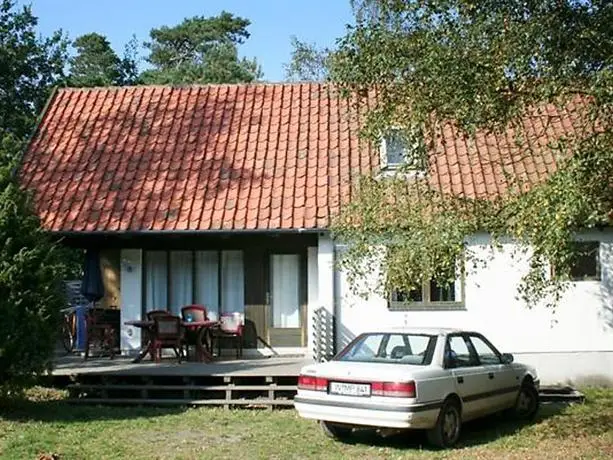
(32, 267)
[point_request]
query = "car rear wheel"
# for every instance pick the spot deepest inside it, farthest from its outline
(335, 431)
(446, 432)
(527, 402)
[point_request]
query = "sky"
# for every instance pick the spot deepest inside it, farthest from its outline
(273, 22)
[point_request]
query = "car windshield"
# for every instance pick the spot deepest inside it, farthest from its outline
(393, 348)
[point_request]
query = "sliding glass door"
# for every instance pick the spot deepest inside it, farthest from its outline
(174, 279)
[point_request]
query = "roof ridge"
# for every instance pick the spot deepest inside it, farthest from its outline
(193, 85)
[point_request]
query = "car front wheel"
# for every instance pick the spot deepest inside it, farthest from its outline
(527, 402)
(446, 432)
(335, 431)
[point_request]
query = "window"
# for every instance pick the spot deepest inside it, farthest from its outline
(487, 355)
(431, 294)
(397, 151)
(586, 263)
(156, 284)
(457, 353)
(415, 349)
(395, 148)
(174, 279)
(180, 280)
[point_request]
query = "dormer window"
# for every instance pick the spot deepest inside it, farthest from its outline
(397, 150)
(394, 148)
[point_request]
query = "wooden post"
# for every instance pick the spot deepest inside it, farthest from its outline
(229, 387)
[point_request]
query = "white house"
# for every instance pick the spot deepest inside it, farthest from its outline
(222, 195)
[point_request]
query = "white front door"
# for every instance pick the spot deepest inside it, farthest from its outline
(285, 304)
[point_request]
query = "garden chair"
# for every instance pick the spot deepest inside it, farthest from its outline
(153, 313)
(167, 333)
(191, 313)
(100, 333)
(231, 326)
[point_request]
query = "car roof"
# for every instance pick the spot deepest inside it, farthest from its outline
(419, 330)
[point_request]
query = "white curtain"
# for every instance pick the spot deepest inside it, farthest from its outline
(232, 282)
(181, 280)
(156, 283)
(207, 281)
(285, 290)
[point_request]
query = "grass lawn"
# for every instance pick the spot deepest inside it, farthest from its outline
(41, 424)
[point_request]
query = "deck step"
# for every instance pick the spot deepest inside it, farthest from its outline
(227, 391)
(236, 387)
(185, 402)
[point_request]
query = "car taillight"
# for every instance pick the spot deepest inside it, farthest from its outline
(309, 382)
(393, 389)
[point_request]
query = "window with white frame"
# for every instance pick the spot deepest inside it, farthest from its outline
(174, 279)
(429, 295)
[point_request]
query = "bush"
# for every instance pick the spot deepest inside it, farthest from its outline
(32, 267)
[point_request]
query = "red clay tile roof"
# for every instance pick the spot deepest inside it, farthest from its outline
(229, 157)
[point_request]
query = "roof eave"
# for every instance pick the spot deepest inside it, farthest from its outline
(234, 232)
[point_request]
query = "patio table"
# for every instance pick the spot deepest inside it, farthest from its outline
(202, 327)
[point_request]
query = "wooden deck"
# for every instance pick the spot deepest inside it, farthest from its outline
(74, 365)
(255, 382)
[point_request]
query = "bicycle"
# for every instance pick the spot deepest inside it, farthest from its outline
(69, 328)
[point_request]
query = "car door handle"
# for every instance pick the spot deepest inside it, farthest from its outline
(460, 379)
(490, 375)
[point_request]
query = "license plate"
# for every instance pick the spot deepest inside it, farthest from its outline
(350, 389)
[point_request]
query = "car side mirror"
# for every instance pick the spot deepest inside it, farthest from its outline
(507, 358)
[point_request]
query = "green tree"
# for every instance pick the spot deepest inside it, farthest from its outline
(200, 50)
(29, 67)
(32, 267)
(482, 65)
(97, 64)
(129, 63)
(308, 62)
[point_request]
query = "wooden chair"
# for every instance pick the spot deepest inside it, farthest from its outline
(167, 333)
(100, 333)
(153, 313)
(190, 313)
(194, 313)
(231, 326)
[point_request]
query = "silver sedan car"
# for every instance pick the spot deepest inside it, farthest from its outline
(432, 379)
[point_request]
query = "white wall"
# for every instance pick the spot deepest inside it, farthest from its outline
(572, 344)
(321, 297)
(312, 294)
(131, 298)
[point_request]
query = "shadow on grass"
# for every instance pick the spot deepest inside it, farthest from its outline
(23, 410)
(474, 433)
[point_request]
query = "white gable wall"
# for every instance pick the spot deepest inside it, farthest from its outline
(574, 344)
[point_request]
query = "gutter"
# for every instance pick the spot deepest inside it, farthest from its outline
(234, 232)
